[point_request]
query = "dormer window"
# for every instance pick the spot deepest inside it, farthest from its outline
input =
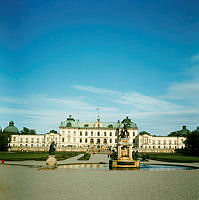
(110, 126)
(85, 125)
(68, 124)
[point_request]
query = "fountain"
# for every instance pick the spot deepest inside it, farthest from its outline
(124, 157)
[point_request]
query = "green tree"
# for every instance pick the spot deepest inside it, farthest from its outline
(181, 133)
(4, 142)
(27, 131)
(192, 142)
(144, 132)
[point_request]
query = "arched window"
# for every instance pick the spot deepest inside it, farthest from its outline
(98, 141)
(80, 140)
(110, 126)
(105, 141)
(92, 141)
(68, 124)
(85, 125)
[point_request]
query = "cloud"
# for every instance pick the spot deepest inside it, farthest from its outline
(134, 100)
(185, 90)
(96, 90)
(195, 58)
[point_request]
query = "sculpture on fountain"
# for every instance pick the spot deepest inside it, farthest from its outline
(123, 156)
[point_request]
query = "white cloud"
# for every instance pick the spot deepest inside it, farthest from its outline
(96, 90)
(195, 58)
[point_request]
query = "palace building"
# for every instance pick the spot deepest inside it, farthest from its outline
(94, 136)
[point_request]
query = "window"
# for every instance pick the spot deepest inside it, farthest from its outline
(62, 139)
(98, 133)
(165, 142)
(91, 133)
(133, 133)
(110, 133)
(80, 133)
(91, 141)
(86, 140)
(86, 133)
(74, 139)
(110, 140)
(104, 133)
(153, 141)
(32, 140)
(26, 140)
(98, 141)
(159, 147)
(68, 124)
(37, 140)
(80, 140)
(85, 125)
(21, 140)
(14, 139)
(158, 141)
(105, 141)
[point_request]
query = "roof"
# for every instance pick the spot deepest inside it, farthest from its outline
(72, 123)
(11, 129)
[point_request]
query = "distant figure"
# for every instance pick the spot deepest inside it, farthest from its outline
(52, 148)
(2, 161)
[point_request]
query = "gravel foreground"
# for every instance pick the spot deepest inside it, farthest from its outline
(24, 183)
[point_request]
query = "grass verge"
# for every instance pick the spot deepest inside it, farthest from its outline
(39, 156)
(86, 156)
(173, 157)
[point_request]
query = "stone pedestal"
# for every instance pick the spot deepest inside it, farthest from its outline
(51, 161)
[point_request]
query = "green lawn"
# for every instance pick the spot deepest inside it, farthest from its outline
(173, 157)
(21, 156)
(86, 156)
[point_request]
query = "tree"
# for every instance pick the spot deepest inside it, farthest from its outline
(181, 133)
(144, 132)
(27, 131)
(192, 142)
(4, 142)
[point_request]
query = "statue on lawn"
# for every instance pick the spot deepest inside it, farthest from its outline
(52, 148)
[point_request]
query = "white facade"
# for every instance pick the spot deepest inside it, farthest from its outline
(76, 135)
(159, 143)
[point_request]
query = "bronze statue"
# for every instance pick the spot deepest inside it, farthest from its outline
(52, 148)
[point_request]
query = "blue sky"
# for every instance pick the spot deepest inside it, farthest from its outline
(135, 58)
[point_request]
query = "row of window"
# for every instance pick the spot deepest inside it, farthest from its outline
(160, 147)
(159, 142)
(92, 133)
(98, 141)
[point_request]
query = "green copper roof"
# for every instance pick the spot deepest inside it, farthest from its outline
(71, 122)
(11, 129)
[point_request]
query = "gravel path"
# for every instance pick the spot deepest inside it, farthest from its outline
(24, 183)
